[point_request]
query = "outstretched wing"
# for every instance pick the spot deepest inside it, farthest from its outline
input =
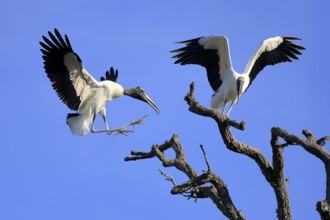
(210, 52)
(64, 68)
(112, 75)
(272, 51)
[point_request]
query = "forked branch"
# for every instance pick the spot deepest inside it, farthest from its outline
(195, 187)
(314, 147)
(274, 173)
(209, 185)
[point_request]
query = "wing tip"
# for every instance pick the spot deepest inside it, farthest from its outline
(291, 38)
(188, 41)
(111, 75)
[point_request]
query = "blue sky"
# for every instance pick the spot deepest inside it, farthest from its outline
(49, 174)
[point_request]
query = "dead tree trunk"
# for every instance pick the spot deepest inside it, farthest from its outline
(272, 171)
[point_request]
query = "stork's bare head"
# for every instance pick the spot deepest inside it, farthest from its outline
(139, 93)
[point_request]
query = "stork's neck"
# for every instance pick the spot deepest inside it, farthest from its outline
(133, 92)
(128, 92)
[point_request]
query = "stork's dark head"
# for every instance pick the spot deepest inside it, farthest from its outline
(239, 87)
(139, 93)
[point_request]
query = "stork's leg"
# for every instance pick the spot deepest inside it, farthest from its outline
(105, 122)
(103, 113)
(224, 106)
(93, 130)
(121, 130)
(104, 116)
(231, 106)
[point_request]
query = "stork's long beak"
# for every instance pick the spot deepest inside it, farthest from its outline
(148, 100)
(139, 93)
(239, 87)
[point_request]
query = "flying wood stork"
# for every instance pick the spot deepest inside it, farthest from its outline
(78, 89)
(212, 52)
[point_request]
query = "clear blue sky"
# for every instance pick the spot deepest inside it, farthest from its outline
(49, 174)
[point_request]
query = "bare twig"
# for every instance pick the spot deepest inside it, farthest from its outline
(167, 177)
(194, 187)
(205, 157)
(323, 141)
(122, 130)
(238, 125)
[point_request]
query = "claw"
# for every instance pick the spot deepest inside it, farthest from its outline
(122, 129)
(138, 121)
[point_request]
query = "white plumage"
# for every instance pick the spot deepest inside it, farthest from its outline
(78, 89)
(213, 53)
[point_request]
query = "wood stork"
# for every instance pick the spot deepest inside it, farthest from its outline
(78, 89)
(212, 52)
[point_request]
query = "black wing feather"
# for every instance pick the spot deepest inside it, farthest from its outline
(67, 41)
(194, 53)
(55, 41)
(60, 38)
(53, 52)
(285, 52)
(112, 75)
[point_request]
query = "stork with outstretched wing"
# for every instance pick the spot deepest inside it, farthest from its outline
(78, 89)
(213, 53)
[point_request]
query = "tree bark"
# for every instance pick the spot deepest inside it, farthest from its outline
(314, 147)
(272, 171)
(194, 187)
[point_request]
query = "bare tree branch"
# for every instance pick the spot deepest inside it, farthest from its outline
(314, 147)
(168, 177)
(323, 141)
(194, 187)
(274, 176)
(206, 160)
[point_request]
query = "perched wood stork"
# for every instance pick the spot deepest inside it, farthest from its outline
(212, 52)
(78, 89)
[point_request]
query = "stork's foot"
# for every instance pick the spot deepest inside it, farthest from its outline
(119, 131)
(122, 130)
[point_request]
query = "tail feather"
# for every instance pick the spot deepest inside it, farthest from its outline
(78, 123)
